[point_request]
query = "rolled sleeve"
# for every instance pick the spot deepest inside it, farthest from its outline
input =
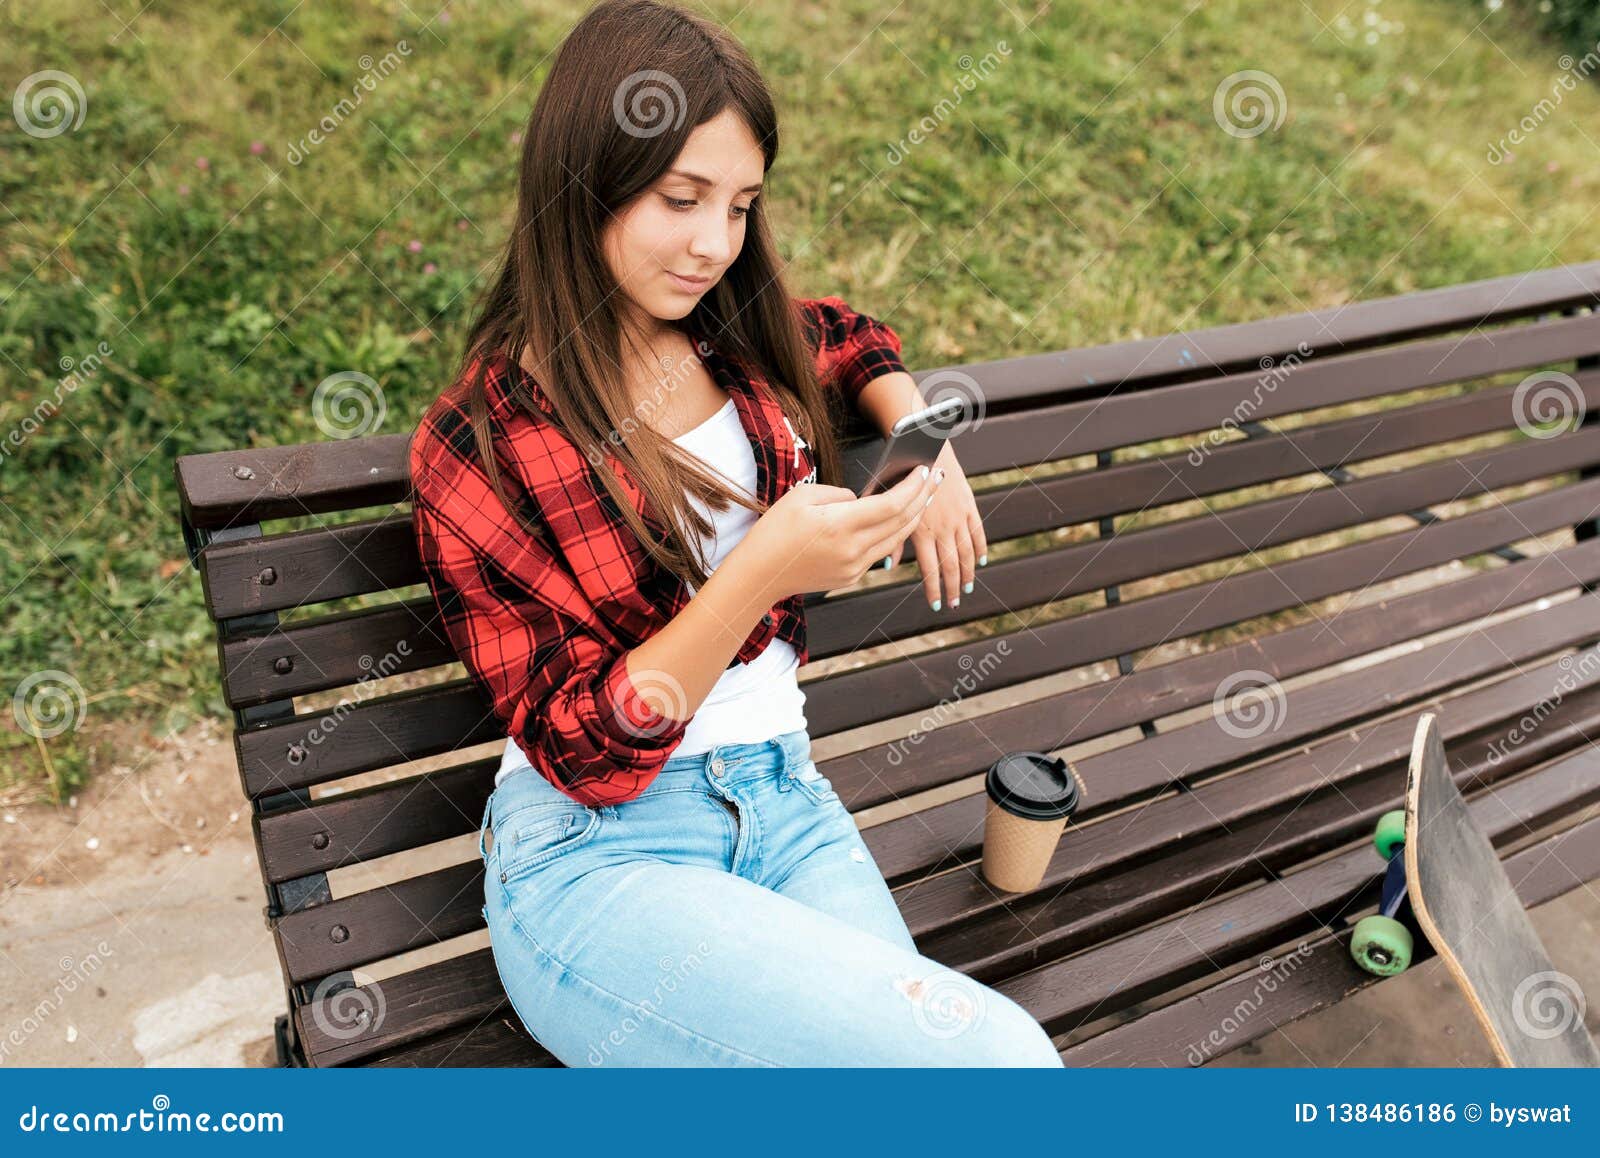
(851, 348)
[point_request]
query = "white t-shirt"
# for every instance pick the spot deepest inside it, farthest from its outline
(750, 702)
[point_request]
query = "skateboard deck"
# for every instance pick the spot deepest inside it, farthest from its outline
(1470, 913)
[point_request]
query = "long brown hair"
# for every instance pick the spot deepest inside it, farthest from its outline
(556, 299)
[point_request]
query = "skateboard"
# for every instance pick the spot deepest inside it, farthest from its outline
(1445, 879)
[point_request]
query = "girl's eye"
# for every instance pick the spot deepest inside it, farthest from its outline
(683, 205)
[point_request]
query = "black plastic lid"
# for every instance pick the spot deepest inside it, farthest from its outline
(1033, 785)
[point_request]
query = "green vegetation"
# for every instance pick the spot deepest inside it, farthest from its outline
(182, 269)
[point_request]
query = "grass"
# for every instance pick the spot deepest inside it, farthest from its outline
(173, 284)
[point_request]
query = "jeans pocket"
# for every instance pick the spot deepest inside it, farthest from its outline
(537, 834)
(808, 778)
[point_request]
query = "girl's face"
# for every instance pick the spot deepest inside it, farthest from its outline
(677, 238)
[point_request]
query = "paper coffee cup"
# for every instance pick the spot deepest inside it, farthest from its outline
(1031, 795)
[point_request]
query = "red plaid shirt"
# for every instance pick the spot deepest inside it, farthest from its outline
(543, 627)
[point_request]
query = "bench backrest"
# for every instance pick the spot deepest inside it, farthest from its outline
(1136, 496)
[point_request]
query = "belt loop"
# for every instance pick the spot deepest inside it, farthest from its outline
(485, 826)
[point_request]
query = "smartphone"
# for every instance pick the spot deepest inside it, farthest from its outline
(915, 440)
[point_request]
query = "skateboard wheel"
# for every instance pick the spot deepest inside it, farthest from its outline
(1381, 945)
(1390, 833)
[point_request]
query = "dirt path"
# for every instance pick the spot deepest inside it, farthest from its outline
(130, 922)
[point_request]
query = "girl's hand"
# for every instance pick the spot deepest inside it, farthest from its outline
(949, 539)
(821, 538)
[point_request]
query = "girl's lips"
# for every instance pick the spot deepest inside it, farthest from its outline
(689, 285)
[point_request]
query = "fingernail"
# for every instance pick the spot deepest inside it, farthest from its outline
(983, 560)
(955, 601)
(940, 479)
(888, 561)
(928, 500)
(967, 588)
(924, 472)
(938, 603)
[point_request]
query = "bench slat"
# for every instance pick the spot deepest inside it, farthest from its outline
(1128, 418)
(460, 991)
(372, 822)
(499, 1041)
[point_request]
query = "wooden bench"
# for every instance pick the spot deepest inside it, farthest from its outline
(1374, 536)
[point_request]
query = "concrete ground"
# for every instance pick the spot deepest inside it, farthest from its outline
(131, 935)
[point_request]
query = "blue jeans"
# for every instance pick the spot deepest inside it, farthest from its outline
(729, 915)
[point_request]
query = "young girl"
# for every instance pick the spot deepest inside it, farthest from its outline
(619, 506)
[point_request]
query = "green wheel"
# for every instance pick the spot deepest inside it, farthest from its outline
(1390, 833)
(1381, 945)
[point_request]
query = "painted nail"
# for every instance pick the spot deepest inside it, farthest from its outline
(937, 480)
(888, 562)
(983, 560)
(967, 587)
(929, 500)
(938, 603)
(924, 472)
(955, 601)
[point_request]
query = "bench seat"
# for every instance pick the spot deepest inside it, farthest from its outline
(1347, 509)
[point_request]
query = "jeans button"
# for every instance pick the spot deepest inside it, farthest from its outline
(717, 766)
